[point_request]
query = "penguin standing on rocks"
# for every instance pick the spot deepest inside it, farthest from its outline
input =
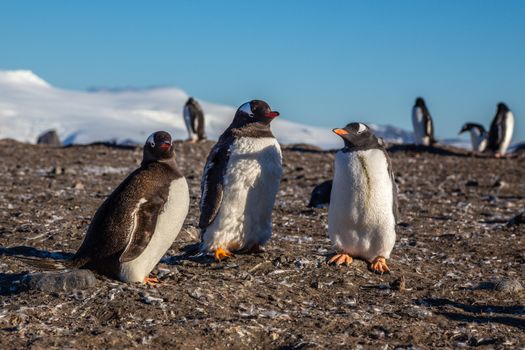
(138, 222)
(239, 184)
(478, 136)
(500, 133)
(422, 122)
(363, 206)
(194, 120)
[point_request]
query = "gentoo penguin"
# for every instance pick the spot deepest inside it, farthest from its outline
(239, 183)
(422, 122)
(363, 206)
(138, 222)
(194, 120)
(478, 136)
(320, 196)
(500, 133)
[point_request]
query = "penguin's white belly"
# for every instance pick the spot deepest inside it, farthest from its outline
(478, 140)
(169, 223)
(361, 219)
(251, 183)
(420, 132)
(508, 120)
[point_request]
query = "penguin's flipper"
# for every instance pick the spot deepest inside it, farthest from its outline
(212, 185)
(145, 217)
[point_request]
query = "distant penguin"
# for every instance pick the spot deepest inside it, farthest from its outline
(500, 133)
(422, 122)
(138, 222)
(363, 206)
(50, 138)
(320, 196)
(194, 120)
(239, 184)
(478, 136)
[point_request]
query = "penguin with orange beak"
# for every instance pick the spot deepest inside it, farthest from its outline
(363, 203)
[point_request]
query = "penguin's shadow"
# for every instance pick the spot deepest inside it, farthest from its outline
(471, 313)
(190, 252)
(34, 253)
(12, 283)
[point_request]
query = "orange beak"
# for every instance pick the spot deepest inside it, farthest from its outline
(340, 131)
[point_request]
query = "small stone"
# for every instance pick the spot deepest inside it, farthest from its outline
(508, 286)
(50, 138)
(79, 186)
(58, 170)
(505, 285)
(147, 298)
(472, 183)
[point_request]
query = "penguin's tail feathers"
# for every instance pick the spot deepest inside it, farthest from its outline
(44, 264)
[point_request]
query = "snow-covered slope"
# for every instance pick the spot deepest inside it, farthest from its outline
(29, 106)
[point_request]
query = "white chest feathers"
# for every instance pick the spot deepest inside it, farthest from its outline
(169, 223)
(361, 219)
(421, 127)
(506, 128)
(251, 183)
(478, 140)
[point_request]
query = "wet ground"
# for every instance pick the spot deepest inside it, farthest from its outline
(460, 264)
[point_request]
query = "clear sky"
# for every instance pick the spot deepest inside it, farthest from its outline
(319, 62)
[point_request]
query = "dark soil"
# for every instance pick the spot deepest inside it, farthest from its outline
(453, 241)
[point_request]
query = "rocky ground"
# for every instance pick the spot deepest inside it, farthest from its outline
(456, 266)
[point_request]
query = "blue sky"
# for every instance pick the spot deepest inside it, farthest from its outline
(319, 62)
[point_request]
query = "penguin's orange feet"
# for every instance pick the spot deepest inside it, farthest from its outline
(340, 259)
(151, 281)
(378, 265)
(221, 254)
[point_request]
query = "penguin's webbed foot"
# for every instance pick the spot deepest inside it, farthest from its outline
(378, 265)
(221, 254)
(340, 259)
(151, 281)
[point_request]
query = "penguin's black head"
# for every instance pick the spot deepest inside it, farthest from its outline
(358, 136)
(158, 146)
(502, 107)
(255, 111)
(470, 126)
(420, 102)
(190, 100)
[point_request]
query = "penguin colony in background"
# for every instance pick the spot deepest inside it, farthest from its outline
(135, 226)
(495, 141)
